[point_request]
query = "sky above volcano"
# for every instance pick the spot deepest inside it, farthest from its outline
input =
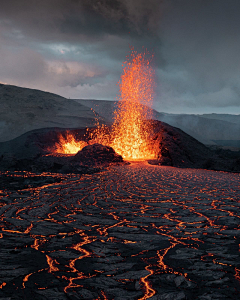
(75, 48)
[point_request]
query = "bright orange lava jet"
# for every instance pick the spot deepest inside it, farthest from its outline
(131, 130)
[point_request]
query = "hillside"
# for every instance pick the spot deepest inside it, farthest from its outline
(174, 148)
(22, 110)
(223, 117)
(206, 130)
(209, 129)
(104, 108)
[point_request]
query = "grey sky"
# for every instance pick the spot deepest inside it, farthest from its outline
(75, 48)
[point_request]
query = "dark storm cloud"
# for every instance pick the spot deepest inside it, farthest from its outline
(68, 19)
(94, 34)
(201, 42)
(78, 46)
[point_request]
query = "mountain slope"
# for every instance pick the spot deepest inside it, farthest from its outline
(23, 109)
(223, 117)
(205, 128)
(104, 108)
(174, 148)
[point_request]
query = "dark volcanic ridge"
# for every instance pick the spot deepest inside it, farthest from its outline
(30, 152)
(209, 129)
(23, 110)
(178, 149)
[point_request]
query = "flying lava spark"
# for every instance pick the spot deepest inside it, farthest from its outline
(68, 144)
(131, 132)
(130, 129)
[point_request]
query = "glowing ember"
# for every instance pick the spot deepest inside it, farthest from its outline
(131, 132)
(68, 144)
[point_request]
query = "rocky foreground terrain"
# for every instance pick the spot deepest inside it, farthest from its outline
(135, 231)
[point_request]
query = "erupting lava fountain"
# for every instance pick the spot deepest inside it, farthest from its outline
(131, 131)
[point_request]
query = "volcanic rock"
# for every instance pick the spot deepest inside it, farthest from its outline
(35, 143)
(97, 154)
(178, 149)
(32, 152)
(113, 229)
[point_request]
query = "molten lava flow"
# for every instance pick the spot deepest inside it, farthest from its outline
(68, 144)
(131, 130)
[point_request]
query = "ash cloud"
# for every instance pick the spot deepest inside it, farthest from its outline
(69, 19)
(201, 42)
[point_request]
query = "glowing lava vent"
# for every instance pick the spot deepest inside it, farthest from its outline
(131, 132)
(67, 144)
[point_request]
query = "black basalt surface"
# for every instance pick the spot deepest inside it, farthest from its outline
(97, 154)
(178, 149)
(133, 231)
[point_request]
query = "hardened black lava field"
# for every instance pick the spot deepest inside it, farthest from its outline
(135, 231)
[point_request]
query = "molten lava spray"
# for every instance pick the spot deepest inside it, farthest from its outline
(131, 134)
(131, 131)
(68, 144)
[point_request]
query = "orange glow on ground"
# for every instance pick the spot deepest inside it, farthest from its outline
(103, 235)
